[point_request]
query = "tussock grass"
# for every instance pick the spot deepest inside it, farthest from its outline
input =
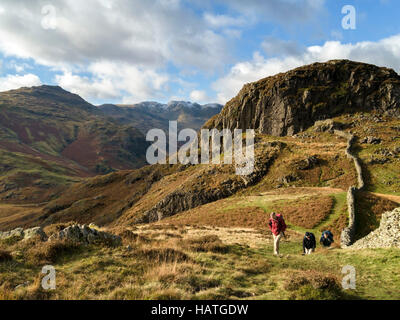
(161, 255)
(191, 268)
(310, 278)
(6, 293)
(50, 252)
(5, 256)
(129, 237)
(309, 212)
(34, 291)
(256, 267)
(209, 243)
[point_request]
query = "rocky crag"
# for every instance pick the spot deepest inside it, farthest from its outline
(290, 102)
(182, 200)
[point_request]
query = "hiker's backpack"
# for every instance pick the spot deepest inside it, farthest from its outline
(312, 237)
(330, 235)
(281, 221)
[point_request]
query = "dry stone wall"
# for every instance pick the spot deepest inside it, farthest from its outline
(386, 236)
(347, 235)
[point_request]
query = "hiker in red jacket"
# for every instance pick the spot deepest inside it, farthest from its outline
(277, 226)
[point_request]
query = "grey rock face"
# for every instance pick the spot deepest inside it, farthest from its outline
(35, 232)
(386, 236)
(182, 200)
(290, 102)
(21, 234)
(17, 234)
(76, 233)
(371, 140)
(86, 235)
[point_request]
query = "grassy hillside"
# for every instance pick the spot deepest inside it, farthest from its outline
(219, 248)
(308, 160)
(179, 262)
(200, 231)
(50, 138)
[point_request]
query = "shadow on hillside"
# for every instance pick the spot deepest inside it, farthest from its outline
(369, 209)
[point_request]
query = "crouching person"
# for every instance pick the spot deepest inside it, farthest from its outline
(309, 243)
(326, 238)
(277, 226)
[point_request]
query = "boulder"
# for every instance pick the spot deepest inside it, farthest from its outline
(21, 234)
(94, 226)
(16, 234)
(35, 232)
(287, 179)
(86, 235)
(327, 126)
(371, 140)
(307, 163)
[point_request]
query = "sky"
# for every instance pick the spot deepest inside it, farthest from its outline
(128, 51)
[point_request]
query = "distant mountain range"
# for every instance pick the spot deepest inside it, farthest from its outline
(50, 138)
(148, 115)
(174, 104)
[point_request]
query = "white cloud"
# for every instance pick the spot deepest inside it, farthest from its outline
(232, 33)
(276, 47)
(142, 33)
(199, 96)
(281, 11)
(219, 21)
(111, 80)
(113, 48)
(11, 82)
(19, 67)
(119, 49)
(87, 88)
(385, 52)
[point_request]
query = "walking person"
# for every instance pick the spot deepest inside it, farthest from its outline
(277, 226)
(309, 243)
(326, 238)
